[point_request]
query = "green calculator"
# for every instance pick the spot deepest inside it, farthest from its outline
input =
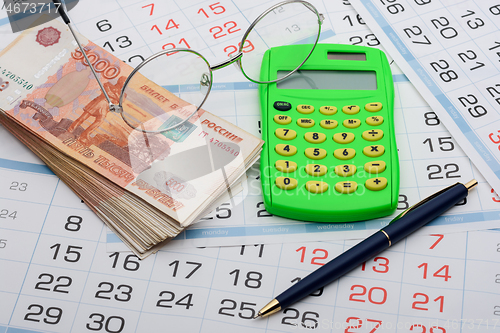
(330, 150)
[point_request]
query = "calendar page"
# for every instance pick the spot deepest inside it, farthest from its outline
(450, 50)
(127, 29)
(57, 275)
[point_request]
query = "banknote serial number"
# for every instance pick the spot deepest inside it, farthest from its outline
(29, 7)
(17, 79)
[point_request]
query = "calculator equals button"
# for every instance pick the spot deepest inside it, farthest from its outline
(346, 187)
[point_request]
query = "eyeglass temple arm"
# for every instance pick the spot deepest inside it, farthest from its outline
(60, 9)
(227, 62)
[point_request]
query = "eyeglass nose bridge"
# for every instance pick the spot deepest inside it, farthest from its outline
(227, 62)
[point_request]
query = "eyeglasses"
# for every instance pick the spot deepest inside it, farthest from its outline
(188, 75)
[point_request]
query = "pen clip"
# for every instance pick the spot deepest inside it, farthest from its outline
(415, 206)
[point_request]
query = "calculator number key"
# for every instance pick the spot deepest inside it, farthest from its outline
(375, 167)
(345, 170)
(315, 153)
(345, 137)
(282, 120)
(376, 184)
(306, 109)
(285, 166)
(285, 150)
(316, 170)
(375, 120)
(285, 134)
(314, 137)
(344, 153)
(373, 107)
(286, 183)
(373, 135)
(316, 186)
(346, 187)
(350, 109)
(374, 151)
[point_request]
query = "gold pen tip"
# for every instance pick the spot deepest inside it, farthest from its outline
(257, 316)
(470, 185)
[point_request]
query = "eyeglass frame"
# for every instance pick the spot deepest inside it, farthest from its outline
(234, 59)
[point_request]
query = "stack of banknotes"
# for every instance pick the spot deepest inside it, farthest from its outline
(146, 187)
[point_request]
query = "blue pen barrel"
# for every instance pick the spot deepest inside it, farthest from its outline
(426, 212)
(334, 269)
(400, 228)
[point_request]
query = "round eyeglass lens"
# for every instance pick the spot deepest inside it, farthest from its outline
(166, 90)
(290, 23)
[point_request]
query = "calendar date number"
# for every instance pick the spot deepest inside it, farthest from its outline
(246, 310)
(112, 324)
(309, 319)
(7, 214)
(51, 316)
(185, 301)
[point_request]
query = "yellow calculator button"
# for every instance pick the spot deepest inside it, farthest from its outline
(285, 166)
(373, 135)
(375, 167)
(315, 153)
(328, 110)
(282, 120)
(346, 187)
(305, 122)
(316, 170)
(303, 108)
(375, 120)
(344, 153)
(316, 186)
(373, 107)
(376, 184)
(329, 123)
(343, 137)
(345, 170)
(285, 150)
(314, 137)
(352, 123)
(286, 183)
(374, 151)
(285, 134)
(350, 109)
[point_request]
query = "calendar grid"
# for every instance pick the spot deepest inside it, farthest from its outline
(233, 273)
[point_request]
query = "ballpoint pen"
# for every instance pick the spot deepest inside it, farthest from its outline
(401, 226)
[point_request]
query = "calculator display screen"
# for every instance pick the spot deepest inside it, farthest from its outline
(329, 80)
